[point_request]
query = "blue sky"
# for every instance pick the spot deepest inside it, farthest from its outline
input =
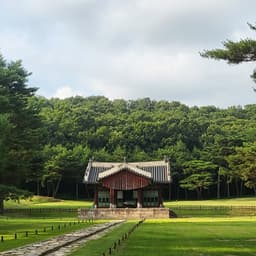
(130, 49)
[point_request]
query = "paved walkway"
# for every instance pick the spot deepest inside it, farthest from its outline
(61, 245)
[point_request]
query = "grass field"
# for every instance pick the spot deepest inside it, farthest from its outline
(97, 247)
(214, 208)
(182, 236)
(46, 228)
(46, 202)
(40, 206)
(243, 201)
(192, 236)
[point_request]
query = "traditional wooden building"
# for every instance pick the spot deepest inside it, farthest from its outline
(118, 185)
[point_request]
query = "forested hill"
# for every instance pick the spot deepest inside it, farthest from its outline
(45, 144)
(201, 142)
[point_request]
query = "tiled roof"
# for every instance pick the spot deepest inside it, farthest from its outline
(158, 171)
(122, 167)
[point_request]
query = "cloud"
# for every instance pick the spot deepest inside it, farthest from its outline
(65, 92)
(130, 49)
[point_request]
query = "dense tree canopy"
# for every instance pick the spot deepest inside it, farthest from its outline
(147, 130)
(199, 176)
(45, 144)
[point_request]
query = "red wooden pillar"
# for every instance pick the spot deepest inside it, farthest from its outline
(112, 196)
(160, 196)
(95, 204)
(139, 197)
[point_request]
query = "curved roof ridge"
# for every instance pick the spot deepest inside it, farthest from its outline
(150, 163)
(104, 164)
(124, 166)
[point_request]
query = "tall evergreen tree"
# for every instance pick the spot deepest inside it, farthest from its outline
(200, 176)
(19, 123)
(235, 52)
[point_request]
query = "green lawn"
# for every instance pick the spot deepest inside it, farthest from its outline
(10, 226)
(182, 236)
(46, 202)
(97, 247)
(245, 206)
(192, 236)
(41, 206)
(243, 201)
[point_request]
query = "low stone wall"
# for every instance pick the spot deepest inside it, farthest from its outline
(124, 213)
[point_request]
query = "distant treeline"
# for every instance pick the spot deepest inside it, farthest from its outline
(45, 144)
(208, 148)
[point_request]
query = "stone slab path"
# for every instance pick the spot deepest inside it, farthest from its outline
(62, 245)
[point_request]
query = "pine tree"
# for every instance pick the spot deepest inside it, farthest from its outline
(235, 52)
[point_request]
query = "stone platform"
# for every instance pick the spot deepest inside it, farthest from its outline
(124, 213)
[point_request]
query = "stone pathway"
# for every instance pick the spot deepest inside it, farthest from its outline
(61, 245)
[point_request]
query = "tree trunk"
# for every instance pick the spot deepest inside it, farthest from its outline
(87, 195)
(57, 187)
(218, 185)
(1, 205)
(48, 188)
(77, 190)
(199, 193)
(241, 188)
(237, 187)
(228, 190)
(37, 187)
(186, 194)
(178, 192)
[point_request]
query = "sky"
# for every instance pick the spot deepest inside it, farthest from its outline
(130, 49)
